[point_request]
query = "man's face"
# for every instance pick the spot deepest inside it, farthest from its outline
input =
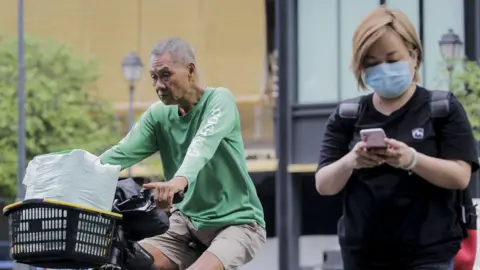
(171, 80)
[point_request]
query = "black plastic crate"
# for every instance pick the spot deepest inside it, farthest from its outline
(58, 235)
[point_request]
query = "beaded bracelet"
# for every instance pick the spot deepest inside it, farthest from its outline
(414, 161)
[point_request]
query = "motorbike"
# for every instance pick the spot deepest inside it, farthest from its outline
(59, 235)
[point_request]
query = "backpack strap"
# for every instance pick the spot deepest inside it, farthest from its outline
(439, 104)
(439, 107)
(350, 108)
(439, 110)
(349, 111)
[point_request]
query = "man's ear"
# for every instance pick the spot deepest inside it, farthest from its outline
(191, 69)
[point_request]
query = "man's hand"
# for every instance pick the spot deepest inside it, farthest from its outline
(164, 191)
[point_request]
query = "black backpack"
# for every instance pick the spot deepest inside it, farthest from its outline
(439, 109)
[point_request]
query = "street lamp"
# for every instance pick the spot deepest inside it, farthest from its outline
(450, 47)
(132, 68)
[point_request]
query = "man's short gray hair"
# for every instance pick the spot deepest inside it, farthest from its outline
(179, 49)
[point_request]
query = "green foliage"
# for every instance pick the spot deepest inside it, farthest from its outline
(60, 113)
(466, 86)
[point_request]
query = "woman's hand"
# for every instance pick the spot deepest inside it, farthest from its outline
(398, 154)
(360, 157)
(448, 174)
(330, 179)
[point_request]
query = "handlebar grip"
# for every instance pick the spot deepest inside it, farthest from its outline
(178, 197)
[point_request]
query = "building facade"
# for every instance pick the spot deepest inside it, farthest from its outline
(325, 31)
(228, 38)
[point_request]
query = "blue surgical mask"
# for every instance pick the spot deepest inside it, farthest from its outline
(389, 80)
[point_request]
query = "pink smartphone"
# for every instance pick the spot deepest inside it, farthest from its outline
(373, 137)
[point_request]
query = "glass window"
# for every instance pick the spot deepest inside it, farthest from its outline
(447, 14)
(351, 13)
(318, 51)
(411, 8)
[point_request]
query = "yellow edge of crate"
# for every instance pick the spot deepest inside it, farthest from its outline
(12, 205)
(91, 209)
(84, 207)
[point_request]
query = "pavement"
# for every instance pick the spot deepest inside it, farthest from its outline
(311, 253)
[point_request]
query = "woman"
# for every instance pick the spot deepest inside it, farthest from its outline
(400, 209)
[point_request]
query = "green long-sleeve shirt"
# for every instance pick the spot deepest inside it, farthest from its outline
(205, 146)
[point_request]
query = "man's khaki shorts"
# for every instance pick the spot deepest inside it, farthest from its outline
(234, 246)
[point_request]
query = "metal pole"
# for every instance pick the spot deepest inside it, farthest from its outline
(476, 35)
(286, 212)
(450, 76)
(257, 122)
(21, 149)
(21, 133)
(476, 6)
(471, 10)
(130, 116)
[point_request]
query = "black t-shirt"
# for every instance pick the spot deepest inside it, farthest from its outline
(393, 219)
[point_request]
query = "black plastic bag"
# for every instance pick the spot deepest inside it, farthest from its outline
(141, 218)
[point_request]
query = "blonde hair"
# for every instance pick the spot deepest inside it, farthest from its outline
(372, 27)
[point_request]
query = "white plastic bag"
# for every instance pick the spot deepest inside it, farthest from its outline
(72, 176)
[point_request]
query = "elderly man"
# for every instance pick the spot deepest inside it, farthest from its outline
(197, 132)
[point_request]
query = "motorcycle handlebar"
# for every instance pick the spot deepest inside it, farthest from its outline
(143, 200)
(177, 197)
